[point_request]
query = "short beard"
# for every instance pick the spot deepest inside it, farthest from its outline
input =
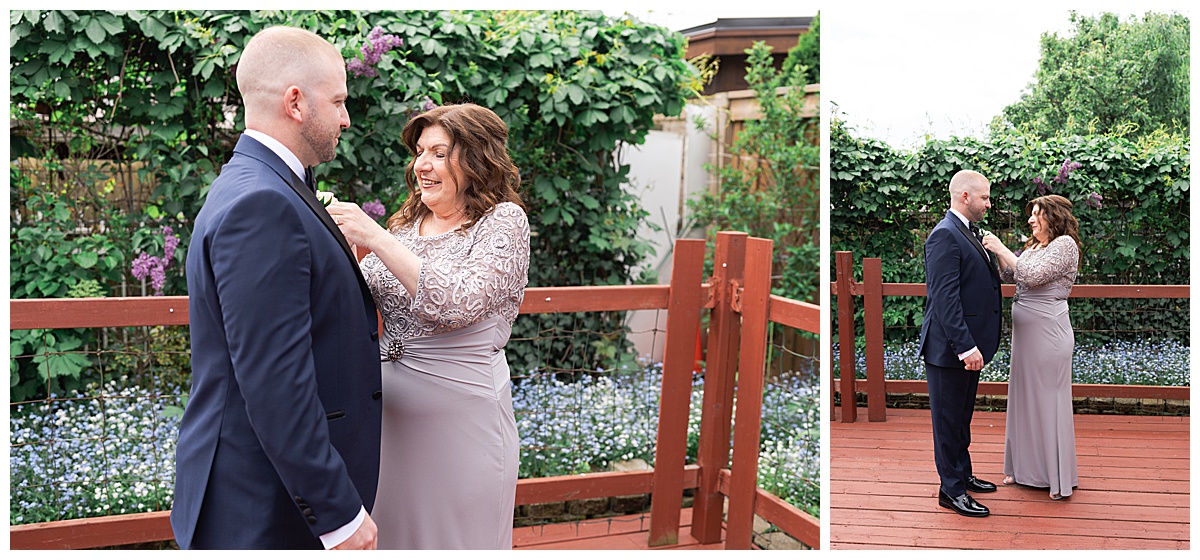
(324, 149)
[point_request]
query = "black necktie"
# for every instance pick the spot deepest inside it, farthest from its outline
(309, 180)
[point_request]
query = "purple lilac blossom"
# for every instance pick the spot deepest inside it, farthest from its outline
(158, 277)
(1067, 167)
(1042, 187)
(170, 242)
(142, 265)
(374, 209)
(153, 267)
(356, 67)
(373, 49)
(1095, 200)
(428, 104)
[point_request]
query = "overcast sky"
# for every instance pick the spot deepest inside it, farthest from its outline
(677, 16)
(900, 73)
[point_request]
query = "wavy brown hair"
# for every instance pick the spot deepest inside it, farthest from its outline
(479, 145)
(1056, 213)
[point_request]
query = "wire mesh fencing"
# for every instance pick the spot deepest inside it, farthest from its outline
(1117, 342)
(789, 465)
(93, 420)
(587, 401)
(95, 414)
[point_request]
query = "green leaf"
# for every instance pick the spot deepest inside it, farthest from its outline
(86, 259)
(111, 23)
(576, 93)
(95, 31)
(67, 343)
(62, 90)
(561, 183)
(588, 201)
(153, 28)
(54, 22)
(57, 53)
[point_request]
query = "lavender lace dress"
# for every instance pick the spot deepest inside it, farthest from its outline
(1039, 430)
(449, 452)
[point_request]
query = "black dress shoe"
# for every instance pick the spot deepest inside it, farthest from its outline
(962, 505)
(976, 485)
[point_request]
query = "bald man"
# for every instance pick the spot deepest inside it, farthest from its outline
(279, 445)
(959, 335)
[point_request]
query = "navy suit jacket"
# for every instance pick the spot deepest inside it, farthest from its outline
(279, 441)
(962, 304)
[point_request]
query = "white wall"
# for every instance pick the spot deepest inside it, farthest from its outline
(664, 173)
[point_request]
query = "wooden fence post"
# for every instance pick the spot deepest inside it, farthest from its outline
(743, 482)
(716, 414)
(845, 301)
(683, 322)
(873, 323)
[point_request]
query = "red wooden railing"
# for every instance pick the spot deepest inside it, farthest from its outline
(740, 261)
(873, 290)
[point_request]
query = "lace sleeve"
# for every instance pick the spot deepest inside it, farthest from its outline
(490, 280)
(1058, 259)
(1007, 273)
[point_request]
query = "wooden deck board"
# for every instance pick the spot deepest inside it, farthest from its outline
(628, 532)
(1134, 479)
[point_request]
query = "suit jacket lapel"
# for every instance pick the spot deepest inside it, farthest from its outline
(307, 194)
(970, 236)
(310, 198)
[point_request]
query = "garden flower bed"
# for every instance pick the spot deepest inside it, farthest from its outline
(1120, 362)
(87, 456)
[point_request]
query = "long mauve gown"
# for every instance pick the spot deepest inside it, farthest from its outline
(1039, 429)
(449, 452)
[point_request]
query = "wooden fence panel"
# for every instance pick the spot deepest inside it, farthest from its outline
(717, 407)
(873, 289)
(748, 428)
(683, 322)
(845, 299)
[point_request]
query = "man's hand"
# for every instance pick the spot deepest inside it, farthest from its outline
(974, 361)
(363, 538)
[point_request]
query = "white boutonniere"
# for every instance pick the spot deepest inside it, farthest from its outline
(326, 197)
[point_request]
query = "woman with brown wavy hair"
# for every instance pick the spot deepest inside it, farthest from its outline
(448, 276)
(1039, 434)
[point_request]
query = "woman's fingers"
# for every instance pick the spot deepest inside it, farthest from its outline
(355, 224)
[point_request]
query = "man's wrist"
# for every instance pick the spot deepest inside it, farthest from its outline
(339, 535)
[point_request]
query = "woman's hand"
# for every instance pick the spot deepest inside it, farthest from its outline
(992, 243)
(356, 225)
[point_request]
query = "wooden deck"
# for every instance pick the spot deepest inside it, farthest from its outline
(1133, 487)
(628, 532)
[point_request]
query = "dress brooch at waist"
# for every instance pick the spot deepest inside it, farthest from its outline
(394, 351)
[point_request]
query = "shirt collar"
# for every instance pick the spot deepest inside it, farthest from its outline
(280, 150)
(964, 219)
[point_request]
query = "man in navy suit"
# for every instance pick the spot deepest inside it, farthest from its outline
(279, 445)
(960, 334)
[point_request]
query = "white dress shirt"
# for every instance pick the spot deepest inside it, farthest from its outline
(280, 150)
